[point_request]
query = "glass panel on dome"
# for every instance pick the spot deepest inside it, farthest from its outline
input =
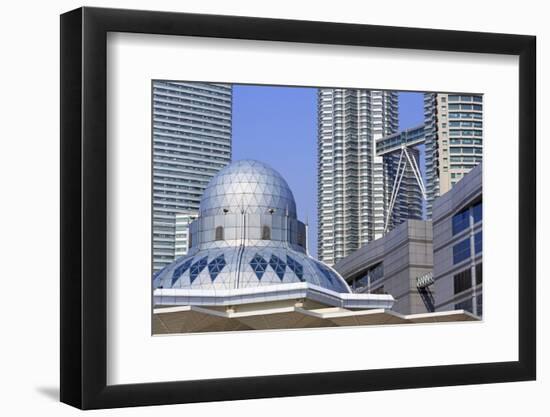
(329, 275)
(278, 266)
(324, 270)
(259, 265)
(216, 266)
(178, 272)
(197, 268)
(160, 271)
(296, 267)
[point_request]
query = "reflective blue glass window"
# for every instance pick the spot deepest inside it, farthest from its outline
(461, 221)
(478, 212)
(180, 269)
(216, 266)
(376, 272)
(296, 267)
(461, 251)
(197, 268)
(478, 242)
(278, 266)
(259, 265)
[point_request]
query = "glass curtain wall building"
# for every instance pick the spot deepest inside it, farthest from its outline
(191, 143)
(458, 246)
(453, 126)
(351, 181)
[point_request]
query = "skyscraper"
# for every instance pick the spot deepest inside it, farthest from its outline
(191, 143)
(182, 235)
(408, 201)
(351, 181)
(454, 140)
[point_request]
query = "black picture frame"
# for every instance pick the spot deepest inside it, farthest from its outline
(84, 207)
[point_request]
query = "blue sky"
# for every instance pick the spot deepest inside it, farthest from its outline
(278, 125)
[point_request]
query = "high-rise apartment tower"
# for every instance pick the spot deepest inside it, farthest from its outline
(191, 143)
(453, 126)
(351, 181)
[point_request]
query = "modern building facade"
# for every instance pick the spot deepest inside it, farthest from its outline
(427, 271)
(398, 264)
(191, 143)
(453, 126)
(351, 181)
(458, 246)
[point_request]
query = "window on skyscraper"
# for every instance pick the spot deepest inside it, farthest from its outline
(477, 212)
(479, 273)
(461, 251)
(462, 281)
(461, 221)
(478, 242)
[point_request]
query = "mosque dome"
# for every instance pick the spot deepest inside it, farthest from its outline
(247, 185)
(230, 250)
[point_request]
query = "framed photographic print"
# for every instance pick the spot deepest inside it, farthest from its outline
(257, 207)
